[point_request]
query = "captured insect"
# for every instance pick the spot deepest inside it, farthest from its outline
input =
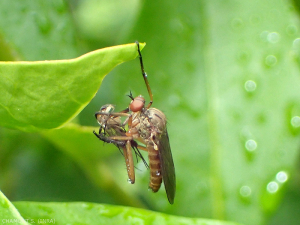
(111, 126)
(147, 126)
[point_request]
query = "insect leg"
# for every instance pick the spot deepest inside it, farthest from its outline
(123, 142)
(112, 114)
(142, 148)
(145, 76)
(129, 162)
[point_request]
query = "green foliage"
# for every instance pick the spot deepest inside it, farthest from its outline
(58, 89)
(226, 74)
(36, 30)
(90, 213)
(8, 213)
(87, 213)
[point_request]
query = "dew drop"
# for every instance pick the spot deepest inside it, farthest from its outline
(270, 60)
(281, 177)
(264, 36)
(245, 191)
(130, 181)
(296, 43)
(149, 189)
(251, 145)
(273, 37)
(291, 30)
(272, 187)
(4, 203)
(250, 86)
(295, 121)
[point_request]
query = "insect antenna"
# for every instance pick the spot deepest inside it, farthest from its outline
(130, 95)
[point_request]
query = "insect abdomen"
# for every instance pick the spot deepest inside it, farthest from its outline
(155, 169)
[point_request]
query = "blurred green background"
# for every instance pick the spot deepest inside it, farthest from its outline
(225, 73)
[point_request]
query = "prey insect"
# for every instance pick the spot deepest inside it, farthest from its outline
(112, 126)
(148, 126)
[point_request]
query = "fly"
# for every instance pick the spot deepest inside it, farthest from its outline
(148, 126)
(112, 126)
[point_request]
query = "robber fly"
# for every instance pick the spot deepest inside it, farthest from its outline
(148, 126)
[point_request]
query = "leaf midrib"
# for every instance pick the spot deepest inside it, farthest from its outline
(218, 204)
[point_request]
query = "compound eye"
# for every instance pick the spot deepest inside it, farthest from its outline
(137, 104)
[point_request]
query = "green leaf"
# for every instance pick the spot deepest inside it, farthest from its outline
(228, 82)
(90, 213)
(8, 213)
(36, 30)
(92, 155)
(47, 94)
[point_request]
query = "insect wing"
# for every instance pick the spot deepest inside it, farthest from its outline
(167, 166)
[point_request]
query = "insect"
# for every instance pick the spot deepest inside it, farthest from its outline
(148, 126)
(112, 126)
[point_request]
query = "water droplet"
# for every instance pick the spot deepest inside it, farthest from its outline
(295, 121)
(251, 145)
(264, 36)
(237, 23)
(282, 177)
(245, 191)
(157, 173)
(4, 203)
(272, 187)
(293, 111)
(149, 189)
(296, 48)
(270, 60)
(291, 30)
(296, 43)
(273, 37)
(250, 86)
(130, 181)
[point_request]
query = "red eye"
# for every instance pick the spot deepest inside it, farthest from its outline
(137, 104)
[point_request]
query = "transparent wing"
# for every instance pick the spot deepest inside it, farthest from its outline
(167, 166)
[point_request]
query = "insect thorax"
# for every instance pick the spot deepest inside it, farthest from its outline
(151, 121)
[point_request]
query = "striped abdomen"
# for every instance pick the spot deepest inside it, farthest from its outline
(155, 169)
